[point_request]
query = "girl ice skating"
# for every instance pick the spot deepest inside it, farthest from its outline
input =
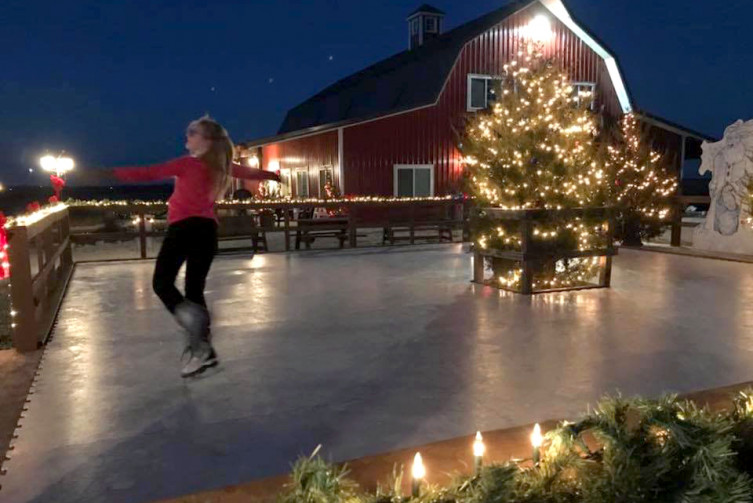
(201, 178)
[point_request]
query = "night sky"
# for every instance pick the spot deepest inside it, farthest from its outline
(115, 82)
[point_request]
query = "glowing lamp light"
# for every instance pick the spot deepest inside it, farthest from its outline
(539, 29)
(418, 472)
(478, 445)
(65, 164)
(274, 165)
(253, 161)
(536, 441)
(478, 451)
(536, 438)
(48, 163)
(57, 165)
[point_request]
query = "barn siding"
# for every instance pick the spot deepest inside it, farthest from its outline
(427, 135)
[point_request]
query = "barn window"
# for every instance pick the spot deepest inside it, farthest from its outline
(325, 176)
(481, 91)
(302, 183)
(431, 25)
(286, 189)
(583, 89)
(414, 180)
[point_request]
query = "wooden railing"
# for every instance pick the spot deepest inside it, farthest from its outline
(41, 263)
(407, 215)
(682, 202)
(41, 258)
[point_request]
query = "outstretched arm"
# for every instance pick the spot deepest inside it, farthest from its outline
(246, 173)
(151, 173)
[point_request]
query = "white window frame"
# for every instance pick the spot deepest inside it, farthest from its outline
(487, 79)
(308, 182)
(415, 26)
(471, 77)
(331, 170)
(577, 86)
(413, 167)
(286, 179)
(435, 22)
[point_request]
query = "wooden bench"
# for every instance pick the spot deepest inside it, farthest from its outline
(235, 227)
(309, 229)
(414, 222)
(407, 232)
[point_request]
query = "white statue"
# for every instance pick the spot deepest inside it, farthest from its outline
(730, 161)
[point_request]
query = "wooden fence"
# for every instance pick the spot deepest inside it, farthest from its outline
(394, 217)
(41, 264)
(41, 259)
(682, 202)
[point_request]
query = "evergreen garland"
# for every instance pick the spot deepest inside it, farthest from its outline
(625, 450)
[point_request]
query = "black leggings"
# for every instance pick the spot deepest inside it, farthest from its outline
(193, 241)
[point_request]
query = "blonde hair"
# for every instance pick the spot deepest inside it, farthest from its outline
(219, 156)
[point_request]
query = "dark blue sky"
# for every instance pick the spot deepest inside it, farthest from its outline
(115, 82)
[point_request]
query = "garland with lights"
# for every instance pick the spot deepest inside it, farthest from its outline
(535, 148)
(634, 450)
(272, 201)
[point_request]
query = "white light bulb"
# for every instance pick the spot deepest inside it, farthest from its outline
(419, 471)
(536, 438)
(48, 163)
(478, 445)
(65, 164)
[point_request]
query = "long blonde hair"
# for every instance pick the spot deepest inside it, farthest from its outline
(219, 156)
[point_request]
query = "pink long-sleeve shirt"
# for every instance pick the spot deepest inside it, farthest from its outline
(193, 194)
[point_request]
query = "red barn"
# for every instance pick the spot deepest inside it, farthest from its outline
(389, 129)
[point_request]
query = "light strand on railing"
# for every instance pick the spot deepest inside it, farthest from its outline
(270, 202)
(31, 218)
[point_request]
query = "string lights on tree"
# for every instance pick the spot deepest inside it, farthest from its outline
(535, 148)
(538, 146)
(642, 184)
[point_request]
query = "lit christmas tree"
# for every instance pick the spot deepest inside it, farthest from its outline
(642, 183)
(535, 148)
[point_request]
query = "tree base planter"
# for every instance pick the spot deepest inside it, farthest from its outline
(545, 250)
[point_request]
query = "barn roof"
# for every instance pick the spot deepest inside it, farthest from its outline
(392, 84)
(425, 8)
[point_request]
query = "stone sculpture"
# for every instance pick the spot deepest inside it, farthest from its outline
(727, 225)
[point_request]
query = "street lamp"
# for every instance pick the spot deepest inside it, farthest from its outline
(57, 167)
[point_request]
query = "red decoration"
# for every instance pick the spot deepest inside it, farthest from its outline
(57, 185)
(33, 207)
(4, 263)
(54, 200)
